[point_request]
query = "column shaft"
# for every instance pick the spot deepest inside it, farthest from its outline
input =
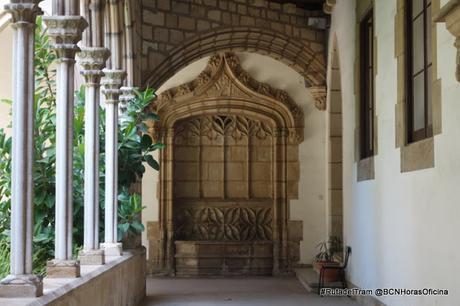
(92, 60)
(111, 156)
(64, 160)
(21, 282)
(91, 168)
(65, 32)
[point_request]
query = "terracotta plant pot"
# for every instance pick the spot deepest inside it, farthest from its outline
(330, 275)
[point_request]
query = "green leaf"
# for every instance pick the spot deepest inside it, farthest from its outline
(146, 141)
(152, 162)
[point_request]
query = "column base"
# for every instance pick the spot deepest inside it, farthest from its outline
(21, 286)
(63, 268)
(91, 257)
(112, 249)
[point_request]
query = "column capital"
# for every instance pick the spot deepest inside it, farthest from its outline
(24, 11)
(319, 95)
(65, 32)
(112, 82)
(127, 95)
(92, 60)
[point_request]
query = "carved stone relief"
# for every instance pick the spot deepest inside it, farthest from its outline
(229, 167)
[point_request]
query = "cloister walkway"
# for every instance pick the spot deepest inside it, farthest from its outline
(262, 291)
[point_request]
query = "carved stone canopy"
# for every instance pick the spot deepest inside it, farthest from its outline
(224, 84)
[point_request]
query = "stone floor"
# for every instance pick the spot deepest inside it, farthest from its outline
(264, 291)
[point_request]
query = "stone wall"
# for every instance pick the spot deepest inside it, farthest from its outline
(120, 282)
(177, 32)
(399, 224)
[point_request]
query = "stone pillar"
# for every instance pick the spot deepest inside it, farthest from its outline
(65, 32)
(450, 14)
(92, 61)
(112, 82)
(21, 282)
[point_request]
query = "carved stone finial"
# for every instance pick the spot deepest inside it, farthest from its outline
(319, 94)
(25, 11)
(92, 60)
(65, 32)
(450, 14)
(112, 82)
(328, 6)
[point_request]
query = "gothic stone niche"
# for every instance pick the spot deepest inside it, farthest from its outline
(229, 167)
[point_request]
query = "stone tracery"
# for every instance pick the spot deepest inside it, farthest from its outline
(226, 136)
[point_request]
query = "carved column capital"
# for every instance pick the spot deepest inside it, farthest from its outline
(24, 12)
(319, 94)
(112, 82)
(92, 60)
(450, 14)
(65, 32)
(127, 95)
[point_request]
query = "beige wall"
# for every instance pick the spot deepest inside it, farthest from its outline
(310, 206)
(6, 39)
(402, 227)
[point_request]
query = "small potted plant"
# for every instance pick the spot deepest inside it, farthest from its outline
(327, 250)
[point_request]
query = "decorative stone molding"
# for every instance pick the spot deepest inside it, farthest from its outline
(112, 82)
(328, 6)
(319, 94)
(224, 77)
(229, 170)
(92, 60)
(65, 32)
(127, 95)
(450, 14)
(24, 11)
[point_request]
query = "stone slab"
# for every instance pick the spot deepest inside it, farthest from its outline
(63, 269)
(91, 257)
(112, 249)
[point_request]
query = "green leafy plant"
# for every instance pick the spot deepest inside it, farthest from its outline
(129, 210)
(327, 249)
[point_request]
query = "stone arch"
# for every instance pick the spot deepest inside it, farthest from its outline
(335, 146)
(296, 54)
(174, 36)
(225, 92)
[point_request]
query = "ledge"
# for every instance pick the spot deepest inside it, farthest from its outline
(101, 283)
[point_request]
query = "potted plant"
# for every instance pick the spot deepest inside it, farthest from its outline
(327, 250)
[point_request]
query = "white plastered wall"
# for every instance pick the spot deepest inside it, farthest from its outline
(310, 207)
(402, 227)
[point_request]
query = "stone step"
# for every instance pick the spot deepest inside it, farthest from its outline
(308, 278)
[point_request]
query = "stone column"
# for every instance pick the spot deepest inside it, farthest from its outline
(21, 282)
(127, 95)
(65, 32)
(112, 82)
(92, 61)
